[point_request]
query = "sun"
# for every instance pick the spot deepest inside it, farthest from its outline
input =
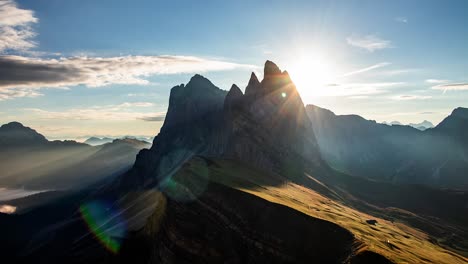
(311, 73)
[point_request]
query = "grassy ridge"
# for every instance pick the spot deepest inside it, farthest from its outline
(395, 240)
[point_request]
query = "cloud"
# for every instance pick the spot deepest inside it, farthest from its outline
(23, 76)
(135, 104)
(436, 81)
(156, 118)
(124, 111)
(401, 19)
(410, 97)
(369, 42)
(6, 94)
(16, 32)
(370, 68)
(398, 72)
(451, 87)
(445, 85)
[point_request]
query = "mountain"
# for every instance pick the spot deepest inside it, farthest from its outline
(95, 141)
(396, 123)
(267, 127)
(237, 178)
(29, 160)
(455, 127)
(422, 126)
(213, 145)
(398, 154)
(15, 134)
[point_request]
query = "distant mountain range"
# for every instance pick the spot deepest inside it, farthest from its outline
(421, 126)
(96, 141)
(28, 159)
(400, 154)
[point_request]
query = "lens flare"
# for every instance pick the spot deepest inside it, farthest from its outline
(189, 185)
(105, 222)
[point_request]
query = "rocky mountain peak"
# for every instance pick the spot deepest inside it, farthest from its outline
(253, 86)
(234, 93)
(233, 98)
(460, 112)
(13, 125)
(270, 69)
(198, 79)
(270, 130)
(14, 133)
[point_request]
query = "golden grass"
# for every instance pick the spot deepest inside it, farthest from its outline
(397, 241)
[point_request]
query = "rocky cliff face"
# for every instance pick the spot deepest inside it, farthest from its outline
(192, 126)
(267, 127)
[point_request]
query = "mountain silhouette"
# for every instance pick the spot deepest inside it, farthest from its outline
(423, 125)
(267, 128)
(15, 134)
(29, 160)
(95, 141)
(398, 154)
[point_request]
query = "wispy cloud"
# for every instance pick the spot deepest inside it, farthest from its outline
(6, 94)
(156, 118)
(451, 87)
(16, 32)
(399, 72)
(406, 97)
(366, 69)
(22, 76)
(124, 111)
(369, 42)
(447, 85)
(401, 19)
(437, 81)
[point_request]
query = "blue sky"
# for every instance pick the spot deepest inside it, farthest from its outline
(76, 68)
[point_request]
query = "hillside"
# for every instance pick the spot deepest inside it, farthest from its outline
(392, 237)
(29, 160)
(399, 154)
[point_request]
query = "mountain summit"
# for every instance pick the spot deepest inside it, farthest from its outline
(14, 134)
(266, 127)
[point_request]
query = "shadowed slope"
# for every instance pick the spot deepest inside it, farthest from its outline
(395, 240)
(436, 157)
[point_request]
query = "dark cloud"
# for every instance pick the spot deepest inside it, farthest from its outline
(16, 71)
(27, 73)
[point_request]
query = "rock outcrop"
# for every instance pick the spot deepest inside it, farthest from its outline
(267, 127)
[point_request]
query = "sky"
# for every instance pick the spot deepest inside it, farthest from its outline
(73, 69)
